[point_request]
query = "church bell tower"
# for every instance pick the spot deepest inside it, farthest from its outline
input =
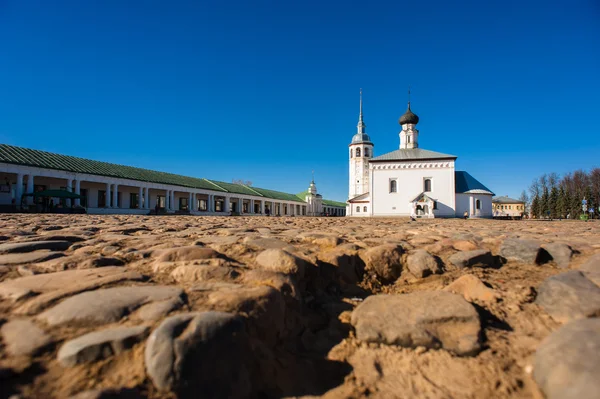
(409, 135)
(361, 150)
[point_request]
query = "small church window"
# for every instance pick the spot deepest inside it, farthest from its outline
(366, 152)
(351, 153)
(393, 187)
(427, 185)
(364, 209)
(358, 152)
(358, 208)
(477, 204)
(408, 139)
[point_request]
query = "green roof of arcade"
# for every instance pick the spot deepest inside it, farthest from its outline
(42, 159)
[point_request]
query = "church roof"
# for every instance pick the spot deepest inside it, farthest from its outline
(506, 200)
(360, 138)
(408, 154)
(464, 183)
(408, 117)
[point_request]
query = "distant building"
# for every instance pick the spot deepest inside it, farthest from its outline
(317, 206)
(410, 180)
(107, 188)
(505, 207)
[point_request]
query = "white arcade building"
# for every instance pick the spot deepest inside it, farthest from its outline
(410, 180)
(31, 179)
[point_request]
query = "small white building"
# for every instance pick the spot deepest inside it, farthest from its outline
(410, 180)
(107, 188)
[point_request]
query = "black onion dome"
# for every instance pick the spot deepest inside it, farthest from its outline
(408, 117)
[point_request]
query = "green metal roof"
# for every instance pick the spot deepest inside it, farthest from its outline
(42, 159)
(333, 203)
(303, 195)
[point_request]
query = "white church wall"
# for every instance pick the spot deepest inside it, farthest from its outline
(468, 202)
(410, 183)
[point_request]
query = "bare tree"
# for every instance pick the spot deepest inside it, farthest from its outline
(242, 182)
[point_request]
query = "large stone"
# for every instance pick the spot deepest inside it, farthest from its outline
(263, 306)
(193, 273)
(29, 257)
(569, 296)
(385, 260)
(65, 280)
(431, 319)
(592, 265)
(567, 362)
(277, 260)
(266, 243)
(560, 253)
(192, 252)
(200, 352)
(100, 344)
(23, 337)
(478, 257)
(526, 251)
(472, 289)
(158, 310)
(345, 264)
(421, 263)
(100, 261)
(30, 246)
(106, 305)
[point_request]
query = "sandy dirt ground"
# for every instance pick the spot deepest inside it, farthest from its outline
(290, 286)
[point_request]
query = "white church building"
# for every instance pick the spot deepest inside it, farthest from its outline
(410, 181)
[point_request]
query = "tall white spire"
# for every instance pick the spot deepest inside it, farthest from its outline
(361, 125)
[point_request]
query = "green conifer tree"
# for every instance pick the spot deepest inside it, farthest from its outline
(553, 203)
(544, 203)
(535, 206)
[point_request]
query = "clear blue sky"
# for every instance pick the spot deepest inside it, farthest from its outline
(267, 91)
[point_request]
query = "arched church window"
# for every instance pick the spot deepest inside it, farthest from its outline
(364, 209)
(351, 153)
(366, 152)
(408, 139)
(358, 152)
(393, 187)
(358, 208)
(427, 185)
(477, 204)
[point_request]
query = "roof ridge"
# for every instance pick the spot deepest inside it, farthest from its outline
(215, 184)
(251, 189)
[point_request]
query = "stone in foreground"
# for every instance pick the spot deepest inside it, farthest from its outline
(472, 289)
(569, 296)
(561, 253)
(385, 260)
(421, 263)
(592, 265)
(22, 337)
(20, 247)
(567, 362)
(278, 260)
(200, 352)
(526, 251)
(100, 344)
(432, 319)
(478, 257)
(106, 305)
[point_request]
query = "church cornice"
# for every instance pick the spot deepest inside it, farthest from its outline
(413, 165)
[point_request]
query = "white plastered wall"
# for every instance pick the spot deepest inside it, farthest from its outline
(410, 176)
